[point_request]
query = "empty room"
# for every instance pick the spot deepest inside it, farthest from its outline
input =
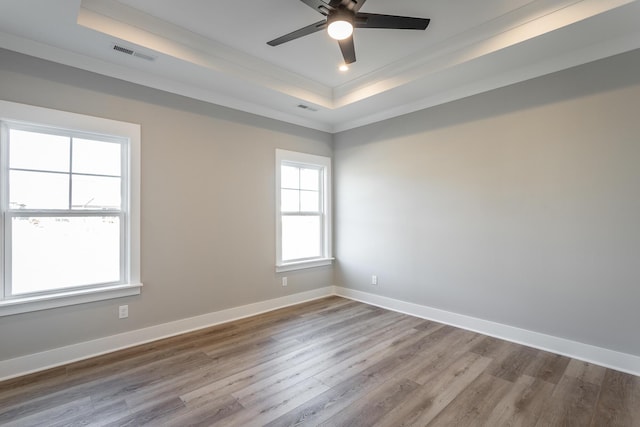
(320, 212)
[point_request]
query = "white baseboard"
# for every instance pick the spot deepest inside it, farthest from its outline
(24, 365)
(27, 364)
(597, 355)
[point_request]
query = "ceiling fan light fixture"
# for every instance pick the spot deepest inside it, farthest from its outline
(340, 19)
(340, 29)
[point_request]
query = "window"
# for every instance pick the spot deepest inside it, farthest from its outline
(303, 210)
(70, 209)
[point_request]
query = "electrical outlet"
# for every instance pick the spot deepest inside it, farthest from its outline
(284, 281)
(374, 280)
(123, 311)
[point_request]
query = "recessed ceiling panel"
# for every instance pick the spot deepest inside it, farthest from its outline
(247, 26)
(216, 51)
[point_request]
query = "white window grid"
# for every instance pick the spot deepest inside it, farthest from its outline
(9, 213)
(309, 161)
(320, 213)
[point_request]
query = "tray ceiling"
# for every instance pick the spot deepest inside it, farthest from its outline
(217, 51)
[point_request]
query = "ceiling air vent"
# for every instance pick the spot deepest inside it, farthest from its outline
(306, 107)
(131, 52)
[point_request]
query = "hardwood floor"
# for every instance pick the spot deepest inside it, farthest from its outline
(330, 362)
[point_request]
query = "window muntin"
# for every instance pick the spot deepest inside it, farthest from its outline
(65, 211)
(303, 209)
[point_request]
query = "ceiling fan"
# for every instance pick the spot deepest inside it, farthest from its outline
(341, 18)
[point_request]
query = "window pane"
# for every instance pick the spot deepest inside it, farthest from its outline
(95, 192)
(309, 201)
(301, 237)
(55, 253)
(38, 190)
(96, 157)
(290, 201)
(39, 151)
(310, 179)
(290, 177)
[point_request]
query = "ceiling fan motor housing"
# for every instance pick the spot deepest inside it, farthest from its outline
(341, 14)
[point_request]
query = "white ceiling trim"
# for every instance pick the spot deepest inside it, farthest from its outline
(144, 78)
(495, 81)
(130, 25)
(502, 33)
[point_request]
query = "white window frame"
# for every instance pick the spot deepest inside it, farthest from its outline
(128, 134)
(294, 158)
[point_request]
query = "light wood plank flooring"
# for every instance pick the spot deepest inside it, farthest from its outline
(330, 362)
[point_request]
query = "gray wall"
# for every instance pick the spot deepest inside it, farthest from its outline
(520, 206)
(208, 222)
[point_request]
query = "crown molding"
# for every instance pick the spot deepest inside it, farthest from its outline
(526, 23)
(132, 26)
(144, 78)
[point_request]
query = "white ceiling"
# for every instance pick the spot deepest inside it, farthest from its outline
(216, 51)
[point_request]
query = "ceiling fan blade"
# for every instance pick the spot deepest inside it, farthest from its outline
(305, 31)
(373, 20)
(320, 6)
(348, 50)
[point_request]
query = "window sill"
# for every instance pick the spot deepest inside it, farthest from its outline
(290, 266)
(44, 302)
